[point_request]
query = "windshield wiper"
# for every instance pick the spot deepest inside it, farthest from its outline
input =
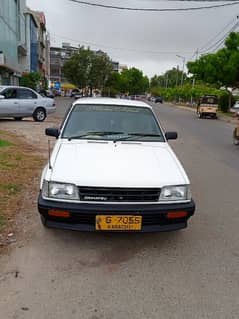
(136, 135)
(100, 133)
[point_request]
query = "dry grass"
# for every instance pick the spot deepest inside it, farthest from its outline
(18, 166)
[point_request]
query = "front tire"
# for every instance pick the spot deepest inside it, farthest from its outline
(39, 114)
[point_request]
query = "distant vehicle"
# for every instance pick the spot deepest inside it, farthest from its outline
(235, 108)
(158, 99)
(155, 99)
(112, 169)
(76, 93)
(19, 102)
(47, 93)
(208, 106)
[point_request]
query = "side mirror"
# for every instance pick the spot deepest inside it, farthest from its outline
(171, 135)
(2, 97)
(52, 131)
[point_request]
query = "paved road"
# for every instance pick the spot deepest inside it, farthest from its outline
(191, 274)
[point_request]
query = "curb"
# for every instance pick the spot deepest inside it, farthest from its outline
(191, 109)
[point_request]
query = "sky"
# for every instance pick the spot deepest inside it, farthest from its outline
(151, 41)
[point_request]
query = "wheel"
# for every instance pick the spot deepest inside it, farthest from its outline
(39, 114)
(44, 221)
(17, 118)
(200, 115)
(235, 137)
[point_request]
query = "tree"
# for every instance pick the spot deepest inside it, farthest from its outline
(31, 80)
(133, 82)
(88, 68)
(170, 78)
(220, 68)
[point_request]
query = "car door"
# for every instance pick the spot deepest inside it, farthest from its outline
(27, 101)
(9, 106)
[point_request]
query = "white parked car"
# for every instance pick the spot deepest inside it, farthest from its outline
(112, 170)
(19, 102)
(235, 108)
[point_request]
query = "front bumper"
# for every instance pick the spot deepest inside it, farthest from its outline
(83, 214)
(50, 110)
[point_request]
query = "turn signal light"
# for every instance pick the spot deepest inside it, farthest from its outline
(173, 215)
(59, 213)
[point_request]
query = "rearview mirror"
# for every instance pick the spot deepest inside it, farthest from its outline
(52, 131)
(2, 97)
(171, 135)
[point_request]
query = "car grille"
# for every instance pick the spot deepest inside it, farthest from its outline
(105, 194)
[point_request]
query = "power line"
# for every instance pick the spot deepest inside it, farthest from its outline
(153, 9)
(121, 49)
(219, 42)
(219, 33)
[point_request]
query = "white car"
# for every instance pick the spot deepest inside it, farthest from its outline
(235, 108)
(112, 170)
(19, 102)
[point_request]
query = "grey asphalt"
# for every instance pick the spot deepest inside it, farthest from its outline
(190, 274)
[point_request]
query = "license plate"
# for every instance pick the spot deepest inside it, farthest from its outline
(118, 222)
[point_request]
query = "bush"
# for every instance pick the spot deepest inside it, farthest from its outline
(109, 92)
(224, 101)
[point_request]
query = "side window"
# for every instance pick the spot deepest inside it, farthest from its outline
(10, 94)
(26, 94)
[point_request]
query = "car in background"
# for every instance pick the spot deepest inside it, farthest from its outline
(76, 93)
(235, 109)
(155, 99)
(112, 169)
(47, 93)
(158, 99)
(19, 102)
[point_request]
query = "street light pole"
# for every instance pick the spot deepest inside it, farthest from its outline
(184, 60)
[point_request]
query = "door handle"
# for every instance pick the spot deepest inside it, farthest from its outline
(15, 102)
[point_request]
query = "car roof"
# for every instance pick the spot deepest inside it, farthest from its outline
(2, 87)
(111, 101)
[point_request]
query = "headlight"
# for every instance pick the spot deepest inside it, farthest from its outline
(175, 193)
(60, 190)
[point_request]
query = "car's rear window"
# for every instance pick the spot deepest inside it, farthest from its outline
(123, 120)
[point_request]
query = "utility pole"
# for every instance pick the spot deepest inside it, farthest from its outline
(166, 80)
(177, 76)
(184, 60)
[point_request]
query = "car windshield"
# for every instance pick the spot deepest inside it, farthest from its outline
(209, 100)
(111, 122)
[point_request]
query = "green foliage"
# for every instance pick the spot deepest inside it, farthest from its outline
(5, 143)
(131, 82)
(220, 68)
(31, 80)
(185, 92)
(88, 68)
(170, 78)
(224, 101)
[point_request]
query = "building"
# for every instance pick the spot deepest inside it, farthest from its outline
(24, 42)
(43, 47)
(58, 57)
(32, 42)
(13, 50)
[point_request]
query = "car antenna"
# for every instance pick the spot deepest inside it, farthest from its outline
(49, 154)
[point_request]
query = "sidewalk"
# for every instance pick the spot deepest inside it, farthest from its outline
(221, 117)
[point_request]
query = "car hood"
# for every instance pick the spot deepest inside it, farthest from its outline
(121, 164)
